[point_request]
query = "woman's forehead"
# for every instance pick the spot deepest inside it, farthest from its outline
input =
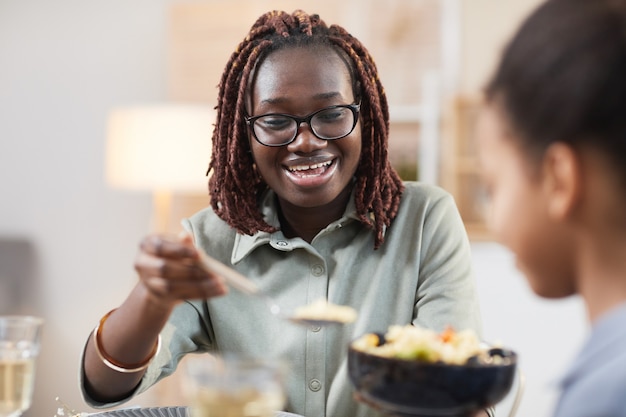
(321, 56)
(296, 70)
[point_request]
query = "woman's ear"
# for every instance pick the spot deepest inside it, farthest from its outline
(562, 180)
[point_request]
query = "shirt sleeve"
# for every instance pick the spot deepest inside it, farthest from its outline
(446, 294)
(186, 331)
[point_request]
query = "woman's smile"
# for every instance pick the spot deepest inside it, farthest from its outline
(310, 173)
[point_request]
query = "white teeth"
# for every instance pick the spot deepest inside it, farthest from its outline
(308, 167)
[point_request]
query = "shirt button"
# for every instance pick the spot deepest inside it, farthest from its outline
(317, 270)
(316, 329)
(315, 385)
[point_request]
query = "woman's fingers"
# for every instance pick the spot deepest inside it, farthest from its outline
(168, 247)
(169, 268)
(175, 269)
(167, 288)
(176, 279)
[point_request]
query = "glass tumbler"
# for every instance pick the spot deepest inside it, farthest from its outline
(19, 347)
(234, 386)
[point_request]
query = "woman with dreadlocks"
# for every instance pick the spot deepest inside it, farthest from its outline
(306, 204)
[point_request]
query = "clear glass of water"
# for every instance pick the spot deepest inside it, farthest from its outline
(19, 347)
(233, 386)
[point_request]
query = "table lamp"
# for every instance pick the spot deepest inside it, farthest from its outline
(161, 148)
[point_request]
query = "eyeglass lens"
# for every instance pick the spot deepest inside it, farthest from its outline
(330, 123)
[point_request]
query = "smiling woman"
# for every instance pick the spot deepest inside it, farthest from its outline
(305, 203)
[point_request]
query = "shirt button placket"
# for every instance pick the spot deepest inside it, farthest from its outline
(315, 402)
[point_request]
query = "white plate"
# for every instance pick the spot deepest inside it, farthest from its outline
(162, 412)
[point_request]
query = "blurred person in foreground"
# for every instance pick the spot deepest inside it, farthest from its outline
(304, 202)
(553, 150)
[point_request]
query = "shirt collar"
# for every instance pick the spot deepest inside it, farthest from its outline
(245, 244)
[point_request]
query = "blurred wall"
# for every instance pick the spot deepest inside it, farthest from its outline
(486, 26)
(63, 65)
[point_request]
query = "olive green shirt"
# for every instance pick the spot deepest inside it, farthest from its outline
(421, 274)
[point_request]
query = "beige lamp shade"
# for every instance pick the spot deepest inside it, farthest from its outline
(159, 147)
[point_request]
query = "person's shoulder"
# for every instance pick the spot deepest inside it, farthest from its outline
(423, 202)
(206, 216)
(211, 233)
(423, 192)
(206, 221)
(429, 203)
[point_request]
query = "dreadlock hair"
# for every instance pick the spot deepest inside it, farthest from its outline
(234, 185)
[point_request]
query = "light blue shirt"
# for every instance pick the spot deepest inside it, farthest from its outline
(595, 385)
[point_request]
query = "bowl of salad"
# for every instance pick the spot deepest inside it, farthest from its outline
(411, 371)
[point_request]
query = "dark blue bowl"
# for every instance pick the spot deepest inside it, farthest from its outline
(412, 388)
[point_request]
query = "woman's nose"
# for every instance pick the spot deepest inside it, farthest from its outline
(306, 141)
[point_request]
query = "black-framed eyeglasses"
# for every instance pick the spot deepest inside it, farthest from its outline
(329, 123)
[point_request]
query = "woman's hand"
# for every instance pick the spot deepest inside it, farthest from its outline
(170, 270)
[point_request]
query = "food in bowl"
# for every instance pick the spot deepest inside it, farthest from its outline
(415, 343)
(415, 372)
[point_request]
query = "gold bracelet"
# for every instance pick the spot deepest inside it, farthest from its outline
(114, 364)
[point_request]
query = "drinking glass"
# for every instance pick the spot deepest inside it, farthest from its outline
(233, 386)
(19, 347)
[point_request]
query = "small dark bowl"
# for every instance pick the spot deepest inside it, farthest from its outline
(412, 388)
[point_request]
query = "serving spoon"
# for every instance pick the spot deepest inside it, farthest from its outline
(245, 285)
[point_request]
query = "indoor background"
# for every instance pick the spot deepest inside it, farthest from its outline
(68, 238)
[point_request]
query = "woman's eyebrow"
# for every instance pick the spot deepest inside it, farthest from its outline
(331, 94)
(319, 96)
